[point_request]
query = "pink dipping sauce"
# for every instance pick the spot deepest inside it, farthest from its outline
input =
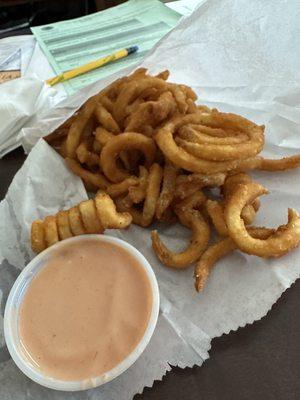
(85, 311)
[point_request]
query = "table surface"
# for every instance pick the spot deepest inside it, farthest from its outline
(258, 362)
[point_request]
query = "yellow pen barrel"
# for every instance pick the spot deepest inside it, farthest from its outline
(87, 67)
(95, 64)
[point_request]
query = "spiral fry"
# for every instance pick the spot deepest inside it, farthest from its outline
(89, 216)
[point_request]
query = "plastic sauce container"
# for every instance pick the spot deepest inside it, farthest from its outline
(12, 318)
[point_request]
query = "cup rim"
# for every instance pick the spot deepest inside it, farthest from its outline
(12, 311)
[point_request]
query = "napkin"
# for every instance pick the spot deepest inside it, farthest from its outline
(22, 102)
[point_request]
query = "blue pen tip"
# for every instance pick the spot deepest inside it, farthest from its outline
(132, 49)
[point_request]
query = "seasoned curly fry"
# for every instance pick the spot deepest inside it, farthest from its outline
(219, 250)
(96, 146)
(230, 184)
(232, 181)
(75, 221)
(126, 141)
(216, 213)
(129, 93)
(189, 93)
(168, 189)
(89, 216)
(85, 156)
(117, 189)
(103, 136)
(138, 193)
(192, 108)
(106, 102)
(38, 242)
(152, 194)
(188, 184)
(63, 225)
(96, 179)
(281, 164)
(123, 204)
(151, 113)
(50, 230)
(168, 216)
(187, 132)
(182, 158)
(286, 237)
(88, 213)
(163, 75)
(200, 237)
(78, 126)
(106, 119)
(248, 214)
(195, 200)
(108, 215)
(223, 152)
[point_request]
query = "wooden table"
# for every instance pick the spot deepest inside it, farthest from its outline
(258, 362)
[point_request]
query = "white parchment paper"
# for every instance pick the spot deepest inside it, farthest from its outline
(239, 56)
(22, 102)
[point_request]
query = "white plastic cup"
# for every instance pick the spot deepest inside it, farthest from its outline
(15, 298)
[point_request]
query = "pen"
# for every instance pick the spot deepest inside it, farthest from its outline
(91, 66)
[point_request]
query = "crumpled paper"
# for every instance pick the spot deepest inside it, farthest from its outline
(22, 102)
(234, 54)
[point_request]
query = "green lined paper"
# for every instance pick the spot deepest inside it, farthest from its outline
(75, 42)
